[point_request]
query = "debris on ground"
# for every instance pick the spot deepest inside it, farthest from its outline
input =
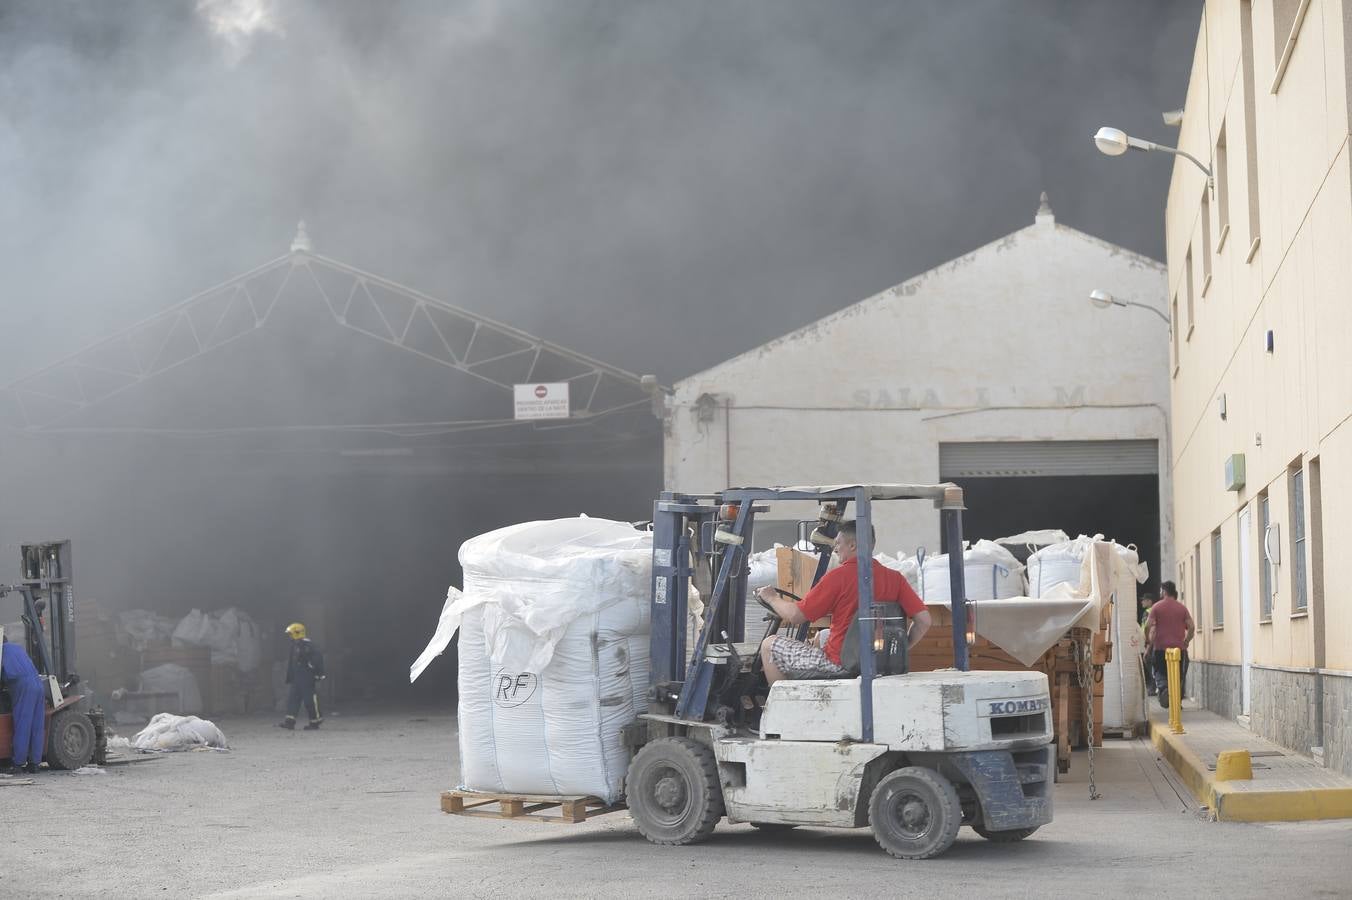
(117, 742)
(88, 770)
(168, 733)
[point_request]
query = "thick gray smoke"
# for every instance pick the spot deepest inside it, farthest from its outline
(660, 185)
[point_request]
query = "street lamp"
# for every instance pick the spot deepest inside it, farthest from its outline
(1115, 142)
(1103, 300)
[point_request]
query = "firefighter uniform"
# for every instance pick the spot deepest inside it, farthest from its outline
(304, 671)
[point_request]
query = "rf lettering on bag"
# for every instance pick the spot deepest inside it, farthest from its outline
(513, 690)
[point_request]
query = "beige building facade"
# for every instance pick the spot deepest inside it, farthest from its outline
(1260, 286)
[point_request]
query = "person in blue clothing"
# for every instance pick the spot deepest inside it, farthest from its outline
(20, 678)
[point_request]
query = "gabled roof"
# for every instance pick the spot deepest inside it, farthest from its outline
(286, 301)
(914, 285)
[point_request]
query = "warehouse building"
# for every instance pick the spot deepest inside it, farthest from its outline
(1259, 277)
(994, 371)
(307, 441)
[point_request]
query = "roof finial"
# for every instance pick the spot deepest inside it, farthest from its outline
(1044, 211)
(301, 242)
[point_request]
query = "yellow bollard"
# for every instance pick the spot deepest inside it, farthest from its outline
(1173, 659)
(1234, 765)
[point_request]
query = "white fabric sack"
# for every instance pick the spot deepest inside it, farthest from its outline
(553, 623)
(140, 628)
(168, 733)
(192, 630)
(1123, 690)
(171, 678)
(990, 572)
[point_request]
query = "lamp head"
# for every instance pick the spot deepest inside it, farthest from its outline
(1101, 299)
(1112, 141)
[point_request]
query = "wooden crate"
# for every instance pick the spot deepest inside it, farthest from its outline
(571, 810)
(935, 651)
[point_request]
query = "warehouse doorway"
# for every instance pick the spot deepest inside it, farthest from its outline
(1080, 487)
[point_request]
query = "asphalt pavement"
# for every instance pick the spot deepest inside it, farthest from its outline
(352, 811)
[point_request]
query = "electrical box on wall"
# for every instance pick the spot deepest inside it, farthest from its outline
(1234, 471)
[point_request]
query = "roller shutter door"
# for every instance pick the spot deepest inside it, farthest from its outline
(1030, 459)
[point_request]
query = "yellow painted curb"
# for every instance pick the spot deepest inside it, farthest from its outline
(1230, 805)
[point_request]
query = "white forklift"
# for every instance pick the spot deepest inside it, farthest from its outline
(914, 756)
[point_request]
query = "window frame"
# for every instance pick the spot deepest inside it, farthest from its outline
(1217, 579)
(1300, 589)
(1266, 595)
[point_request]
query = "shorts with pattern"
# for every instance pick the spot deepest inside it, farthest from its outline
(797, 659)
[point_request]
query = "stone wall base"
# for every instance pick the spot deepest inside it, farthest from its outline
(1297, 710)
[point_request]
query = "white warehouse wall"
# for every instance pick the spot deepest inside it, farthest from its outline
(999, 345)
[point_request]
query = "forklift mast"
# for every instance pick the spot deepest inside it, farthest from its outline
(50, 602)
(704, 540)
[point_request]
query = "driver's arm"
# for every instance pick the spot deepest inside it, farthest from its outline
(920, 624)
(785, 608)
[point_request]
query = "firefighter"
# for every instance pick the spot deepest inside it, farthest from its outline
(20, 677)
(304, 671)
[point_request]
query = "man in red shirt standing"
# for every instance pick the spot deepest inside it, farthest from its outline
(837, 594)
(1169, 625)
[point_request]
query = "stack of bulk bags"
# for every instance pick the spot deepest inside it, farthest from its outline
(1123, 689)
(990, 573)
(554, 624)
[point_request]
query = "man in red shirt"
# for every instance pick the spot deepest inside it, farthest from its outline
(1169, 625)
(837, 594)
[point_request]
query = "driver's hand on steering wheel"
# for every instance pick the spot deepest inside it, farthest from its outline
(766, 593)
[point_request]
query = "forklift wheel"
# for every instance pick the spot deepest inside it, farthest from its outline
(915, 813)
(1003, 837)
(673, 791)
(70, 740)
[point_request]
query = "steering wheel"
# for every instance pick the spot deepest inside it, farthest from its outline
(790, 594)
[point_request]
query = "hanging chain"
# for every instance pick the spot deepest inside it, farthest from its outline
(1084, 655)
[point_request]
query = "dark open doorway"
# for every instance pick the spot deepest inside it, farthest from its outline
(1124, 508)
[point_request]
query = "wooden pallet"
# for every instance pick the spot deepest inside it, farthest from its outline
(526, 807)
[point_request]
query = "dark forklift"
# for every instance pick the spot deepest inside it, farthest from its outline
(46, 608)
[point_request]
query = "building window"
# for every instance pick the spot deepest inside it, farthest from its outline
(1264, 564)
(1250, 122)
(1222, 190)
(1300, 598)
(1217, 581)
(1187, 286)
(1206, 242)
(1316, 541)
(1287, 16)
(1197, 580)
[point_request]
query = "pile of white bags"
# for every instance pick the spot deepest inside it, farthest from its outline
(1123, 691)
(906, 565)
(174, 679)
(168, 733)
(554, 623)
(232, 636)
(990, 572)
(141, 628)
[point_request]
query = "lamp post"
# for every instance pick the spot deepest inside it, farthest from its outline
(1115, 142)
(1104, 300)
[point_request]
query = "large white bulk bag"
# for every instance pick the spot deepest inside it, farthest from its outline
(554, 624)
(990, 572)
(1123, 690)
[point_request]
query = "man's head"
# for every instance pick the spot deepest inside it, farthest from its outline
(1168, 591)
(295, 631)
(1147, 601)
(847, 540)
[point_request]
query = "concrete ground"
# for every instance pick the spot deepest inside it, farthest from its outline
(352, 811)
